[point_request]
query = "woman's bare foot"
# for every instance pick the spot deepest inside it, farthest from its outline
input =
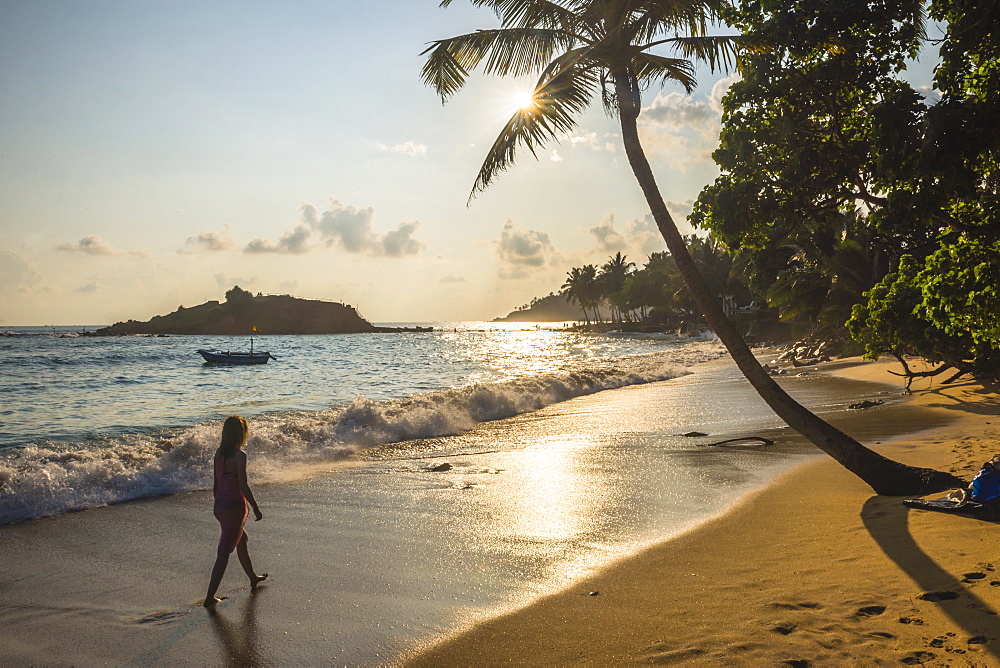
(256, 580)
(210, 602)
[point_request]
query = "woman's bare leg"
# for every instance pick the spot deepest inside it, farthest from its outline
(221, 561)
(244, 554)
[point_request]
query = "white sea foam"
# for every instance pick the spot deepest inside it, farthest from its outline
(50, 478)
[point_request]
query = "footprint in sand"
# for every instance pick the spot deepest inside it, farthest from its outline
(911, 620)
(870, 611)
(972, 577)
(784, 629)
(918, 658)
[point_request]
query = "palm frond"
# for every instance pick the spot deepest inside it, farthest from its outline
(649, 67)
(506, 51)
(559, 99)
(656, 17)
(717, 51)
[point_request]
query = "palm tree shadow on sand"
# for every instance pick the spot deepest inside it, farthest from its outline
(238, 640)
(886, 520)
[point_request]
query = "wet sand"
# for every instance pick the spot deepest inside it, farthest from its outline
(813, 570)
(121, 585)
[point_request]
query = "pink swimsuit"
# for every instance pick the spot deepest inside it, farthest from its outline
(231, 507)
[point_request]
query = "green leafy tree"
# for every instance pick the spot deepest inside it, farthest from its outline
(823, 120)
(942, 309)
(582, 49)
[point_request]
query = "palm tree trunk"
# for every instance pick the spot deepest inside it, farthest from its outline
(884, 475)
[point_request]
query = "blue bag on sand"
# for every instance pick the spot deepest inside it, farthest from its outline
(985, 486)
(981, 498)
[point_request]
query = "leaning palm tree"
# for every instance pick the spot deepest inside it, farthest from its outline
(580, 49)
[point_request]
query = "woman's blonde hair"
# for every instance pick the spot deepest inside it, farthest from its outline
(234, 435)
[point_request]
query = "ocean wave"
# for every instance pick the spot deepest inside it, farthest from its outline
(49, 478)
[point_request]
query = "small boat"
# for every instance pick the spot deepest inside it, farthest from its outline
(227, 357)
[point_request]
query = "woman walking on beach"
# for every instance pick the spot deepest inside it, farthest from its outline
(233, 499)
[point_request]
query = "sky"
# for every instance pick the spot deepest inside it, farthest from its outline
(154, 154)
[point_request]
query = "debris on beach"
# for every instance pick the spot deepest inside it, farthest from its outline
(741, 439)
(867, 403)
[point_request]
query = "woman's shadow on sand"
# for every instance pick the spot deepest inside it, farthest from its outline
(886, 520)
(238, 639)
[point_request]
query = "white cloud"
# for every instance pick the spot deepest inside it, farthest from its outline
(684, 127)
(452, 279)
(522, 251)
(677, 111)
(345, 227)
(92, 245)
(400, 241)
(608, 239)
(554, 156)
(639, 238)
(643, 234)
(645, 237)
(719, 91)
(17, 273)
(293, 242)
(410, 148)
(593, 142)
(209, 241)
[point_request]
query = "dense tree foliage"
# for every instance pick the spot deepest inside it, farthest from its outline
(822, 123)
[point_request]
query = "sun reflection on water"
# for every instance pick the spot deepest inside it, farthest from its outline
(517, 353)
(552, 503)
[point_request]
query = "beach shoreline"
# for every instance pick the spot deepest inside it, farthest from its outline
(814, 569)
(365, 573)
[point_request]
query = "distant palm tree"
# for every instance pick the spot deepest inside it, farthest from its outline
(613, 276)
(585, 48)
(576, 290)
(592, 290)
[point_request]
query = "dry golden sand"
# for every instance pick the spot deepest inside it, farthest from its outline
(814, 570)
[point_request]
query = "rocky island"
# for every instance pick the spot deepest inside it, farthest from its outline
(242, 311)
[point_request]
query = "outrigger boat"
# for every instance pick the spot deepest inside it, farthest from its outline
(227, 357)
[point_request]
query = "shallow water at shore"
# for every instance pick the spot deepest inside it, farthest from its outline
(373, 557)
